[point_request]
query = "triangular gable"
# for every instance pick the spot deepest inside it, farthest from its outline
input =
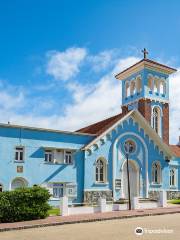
(137, 117)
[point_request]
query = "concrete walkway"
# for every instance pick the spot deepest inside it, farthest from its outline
(59, 220)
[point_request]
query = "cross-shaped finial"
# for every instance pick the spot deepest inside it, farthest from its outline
(145, 52)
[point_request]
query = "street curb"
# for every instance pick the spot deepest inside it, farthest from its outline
(84, 221)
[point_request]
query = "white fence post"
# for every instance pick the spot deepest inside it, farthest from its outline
(135, 203)
(102, 204)
(64, 206)
(162, 198)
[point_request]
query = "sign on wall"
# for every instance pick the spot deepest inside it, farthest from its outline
(117, 183)
(19, 169)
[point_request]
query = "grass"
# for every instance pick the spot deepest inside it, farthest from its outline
(174, 201)
(54, 212)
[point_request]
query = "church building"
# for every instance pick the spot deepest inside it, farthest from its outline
(92, 162)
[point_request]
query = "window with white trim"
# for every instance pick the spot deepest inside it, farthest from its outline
(58, 191)
(127, 86)
(68, 157)
(49, 156)
(101, 170)
(156, 173)
(172, 177)
(156, 120)
(19, 154)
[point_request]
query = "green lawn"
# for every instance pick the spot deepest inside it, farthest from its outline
(174, 201)
(54, 212)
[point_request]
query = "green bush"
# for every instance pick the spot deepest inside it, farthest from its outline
(24, 204)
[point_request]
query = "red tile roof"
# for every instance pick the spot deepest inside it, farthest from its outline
(175, 149)
(100, 127)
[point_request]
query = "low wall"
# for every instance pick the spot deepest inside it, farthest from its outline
(104, 207)
(83, 210)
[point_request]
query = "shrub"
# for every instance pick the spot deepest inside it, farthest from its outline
(24, 204)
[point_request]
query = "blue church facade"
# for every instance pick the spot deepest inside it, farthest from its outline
(91, 162)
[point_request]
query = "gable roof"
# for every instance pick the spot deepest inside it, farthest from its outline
(142, 64)
(175, 149)
(99, 127)
(143, 123)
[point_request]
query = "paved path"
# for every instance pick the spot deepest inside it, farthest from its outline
(58, 220)
(121, 229)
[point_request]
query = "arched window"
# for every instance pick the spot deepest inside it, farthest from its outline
(156, 173)
(133, 87)
(19, 183)
(101, 170)
(150, 84)
(156, 120)
(127, 89)
(1, 187)
(156, 86)
(138, 84)
(172, 177)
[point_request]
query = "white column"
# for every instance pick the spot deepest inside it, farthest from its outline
(163, 198)
(135, 203)
(102, 204)
(64, 206)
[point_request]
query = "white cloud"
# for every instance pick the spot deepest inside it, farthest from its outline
(90, 102)
(64, 65)
(102, 60)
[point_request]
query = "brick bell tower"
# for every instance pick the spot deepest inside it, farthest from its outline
(145, 87)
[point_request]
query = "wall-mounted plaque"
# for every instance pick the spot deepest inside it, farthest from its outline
(117, 183)
(19, 169)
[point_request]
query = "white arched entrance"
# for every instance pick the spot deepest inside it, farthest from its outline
(133, 179)
(18, 183)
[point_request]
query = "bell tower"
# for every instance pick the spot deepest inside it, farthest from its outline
(145, 87)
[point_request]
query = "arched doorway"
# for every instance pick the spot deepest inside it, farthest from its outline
(133, 179)
(18, 183)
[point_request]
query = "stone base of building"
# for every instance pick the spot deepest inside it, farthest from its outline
(170, 195)
(154, 195)
(173, 195)
(93, 196)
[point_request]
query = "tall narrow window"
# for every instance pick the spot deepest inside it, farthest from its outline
(133, 88)
(172, 175)
(156, 173)
(162, 87)
(127, 89)
(100, 171)
(150, 84)
(68, 157)
(19, 154)
(156, 120)
(49, 156)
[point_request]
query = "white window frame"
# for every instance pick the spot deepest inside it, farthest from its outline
(68, 157)
(171, 177)
(159, 173)
(59, 189)
(18, 151)
(98, 172)
(156, 121)
(49, 152)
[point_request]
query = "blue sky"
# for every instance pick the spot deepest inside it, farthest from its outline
(58, 57)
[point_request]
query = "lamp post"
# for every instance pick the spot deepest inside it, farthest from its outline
(128, 148)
